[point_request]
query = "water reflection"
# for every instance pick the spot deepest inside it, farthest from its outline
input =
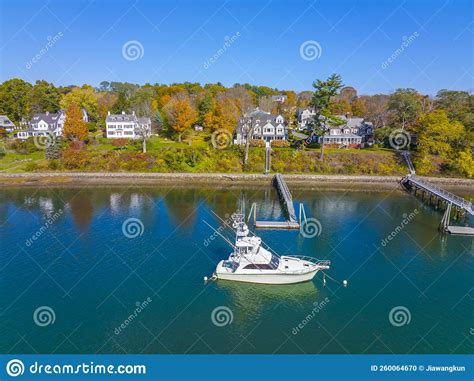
(250, 299)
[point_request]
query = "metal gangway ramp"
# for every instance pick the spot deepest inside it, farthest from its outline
(285, 196)
(442, 194)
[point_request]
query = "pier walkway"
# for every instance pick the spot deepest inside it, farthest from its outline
(285, 196)
(425, 186)
(286, 201)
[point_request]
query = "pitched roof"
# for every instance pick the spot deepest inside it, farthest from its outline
(121, 118)
(144, 120)
(6, 122)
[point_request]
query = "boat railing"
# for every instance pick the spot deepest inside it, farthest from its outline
(319, 262)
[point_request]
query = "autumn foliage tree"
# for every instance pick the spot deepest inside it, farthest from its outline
(224, 114)
(180, 114)
(74, 127)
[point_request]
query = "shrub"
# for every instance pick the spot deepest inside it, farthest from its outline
(120, 142)
(280, 143)
(24, 147)
(75, 159)
(257, 143)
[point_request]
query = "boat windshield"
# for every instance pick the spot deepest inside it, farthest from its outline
(275, 261)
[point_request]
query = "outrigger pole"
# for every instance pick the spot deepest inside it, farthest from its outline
(215, 231)
(226, 224)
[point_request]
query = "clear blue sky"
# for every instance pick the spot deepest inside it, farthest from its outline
(179, 37)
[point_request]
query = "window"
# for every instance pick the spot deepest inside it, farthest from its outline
(258, 266)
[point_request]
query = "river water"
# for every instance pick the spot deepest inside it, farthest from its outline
(76, 277)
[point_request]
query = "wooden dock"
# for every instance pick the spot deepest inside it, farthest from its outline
(444, 226)
(277, 225)
(460, 230)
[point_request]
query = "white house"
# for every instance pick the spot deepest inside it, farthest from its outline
(354, 132)
(261, 125)
(47, 123)
(126, 126)
(44, 124)
(305, 115)
(6, 123)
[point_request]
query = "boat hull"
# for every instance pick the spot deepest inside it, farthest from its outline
(268, 278)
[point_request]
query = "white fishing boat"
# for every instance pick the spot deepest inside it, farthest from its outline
(253, 263)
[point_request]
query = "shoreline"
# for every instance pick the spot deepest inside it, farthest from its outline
(220, 179)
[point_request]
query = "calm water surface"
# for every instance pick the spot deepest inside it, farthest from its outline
(92, 276)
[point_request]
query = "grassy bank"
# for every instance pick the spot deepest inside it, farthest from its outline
(198, 156)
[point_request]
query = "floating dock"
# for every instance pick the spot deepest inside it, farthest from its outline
(287, 205)
(444, 226)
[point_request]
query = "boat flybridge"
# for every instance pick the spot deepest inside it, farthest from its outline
(251, 262)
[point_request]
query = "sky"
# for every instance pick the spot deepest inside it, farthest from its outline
(376, 46)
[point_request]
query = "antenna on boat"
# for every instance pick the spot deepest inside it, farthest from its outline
(226, 224)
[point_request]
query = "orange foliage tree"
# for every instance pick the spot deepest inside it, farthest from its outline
(180, 114)
(74, 127)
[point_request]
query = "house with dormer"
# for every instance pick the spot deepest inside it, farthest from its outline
(261, 125)
(127, 126)
(48, 123)
(305, 116)
(44, 124)
(354, 132)
(6, 123)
